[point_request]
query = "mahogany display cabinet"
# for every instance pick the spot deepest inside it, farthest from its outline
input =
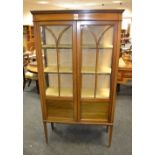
(77, 59)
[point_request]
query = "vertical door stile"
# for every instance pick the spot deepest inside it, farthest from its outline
(58, 67)
(96, 66)
(45, 54)
(78, 70)
(81, 76)
(74, 69)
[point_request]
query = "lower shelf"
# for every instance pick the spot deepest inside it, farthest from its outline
(63, 92)
(85, 93)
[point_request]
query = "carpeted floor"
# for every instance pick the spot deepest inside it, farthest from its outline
(76, 139)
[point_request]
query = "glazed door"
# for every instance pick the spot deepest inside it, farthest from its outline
(95, 58)
(58, 48)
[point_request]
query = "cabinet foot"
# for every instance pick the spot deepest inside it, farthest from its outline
(29, 83)
(45, 131)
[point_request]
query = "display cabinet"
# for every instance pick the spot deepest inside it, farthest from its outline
(77, 75)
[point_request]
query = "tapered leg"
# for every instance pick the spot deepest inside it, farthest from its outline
(110, 135)
(29, 83)
(45, 131)
(24, 80)
(37, 86)
(107, 128)
(24, 83)
(52, 126)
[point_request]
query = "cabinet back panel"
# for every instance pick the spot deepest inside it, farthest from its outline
(59, 109)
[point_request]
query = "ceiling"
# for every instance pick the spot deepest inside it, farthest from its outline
(73, 5)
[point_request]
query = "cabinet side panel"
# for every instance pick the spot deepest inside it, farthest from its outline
(40, 69)
(115, 68)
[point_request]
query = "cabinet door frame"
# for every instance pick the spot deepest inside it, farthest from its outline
(114, 62)
(41, 70)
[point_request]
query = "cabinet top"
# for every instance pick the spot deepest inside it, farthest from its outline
(75, 15)
(76, 11)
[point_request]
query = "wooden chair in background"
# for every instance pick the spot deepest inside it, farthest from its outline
(28, 76)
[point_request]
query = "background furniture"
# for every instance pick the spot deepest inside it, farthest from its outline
(125, 37)
(30, 46)
(77, 76)
(124, 70)
(28, 76)
(28, 36)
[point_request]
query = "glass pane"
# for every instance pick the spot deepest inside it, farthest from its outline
(52, 85)
(57, 48)
(51, 60)
(56, 43)
(88, 40)
(87, 90)
(103, 86)
(103, 34)
(96, 60)
(65, 61)
(88, 61)
(104, 61)
(64, 89)
(66, 85)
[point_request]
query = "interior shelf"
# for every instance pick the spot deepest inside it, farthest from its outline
(54, 69)
(53, 46)
(91, 46)
(67, 92)
(102, 93)
(69, 46)
(86, 93)
(91, 70)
